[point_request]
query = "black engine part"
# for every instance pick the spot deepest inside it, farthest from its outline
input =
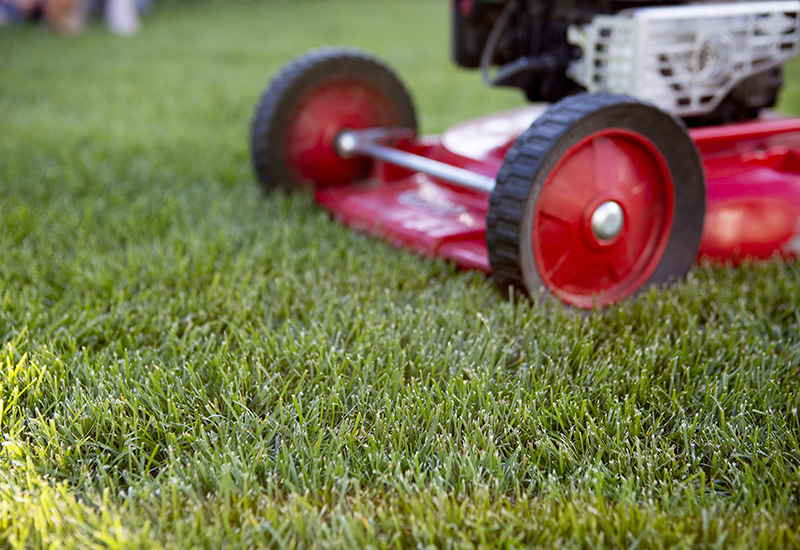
(523, 44)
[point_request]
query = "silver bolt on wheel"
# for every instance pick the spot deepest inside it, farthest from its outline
(607, 220)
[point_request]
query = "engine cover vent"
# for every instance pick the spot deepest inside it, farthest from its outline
(684, 59)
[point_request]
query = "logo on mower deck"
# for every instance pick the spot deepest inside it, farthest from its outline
(429, 198)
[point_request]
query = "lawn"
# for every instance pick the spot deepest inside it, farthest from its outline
(187, 362)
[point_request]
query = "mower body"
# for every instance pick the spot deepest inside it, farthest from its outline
(585, 200)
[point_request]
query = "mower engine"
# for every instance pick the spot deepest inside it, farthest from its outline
(706, 62)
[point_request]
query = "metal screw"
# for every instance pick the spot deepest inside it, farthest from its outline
(346, 144)
(607, 220)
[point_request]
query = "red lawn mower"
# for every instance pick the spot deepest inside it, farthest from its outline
(649, 153)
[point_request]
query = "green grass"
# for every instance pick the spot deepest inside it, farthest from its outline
(187, 362)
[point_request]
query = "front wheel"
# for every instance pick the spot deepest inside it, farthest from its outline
(600, 197)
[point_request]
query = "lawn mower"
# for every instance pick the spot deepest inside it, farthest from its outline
(643, 149)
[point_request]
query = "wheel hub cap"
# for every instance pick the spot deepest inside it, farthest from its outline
(607, 220)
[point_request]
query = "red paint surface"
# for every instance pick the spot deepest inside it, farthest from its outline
(753, 186)
(752, 172)
(466, 7)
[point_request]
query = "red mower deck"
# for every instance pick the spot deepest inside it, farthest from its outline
(752, 175)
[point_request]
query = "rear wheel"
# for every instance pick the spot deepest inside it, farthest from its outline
(599, 197)
(306, 105)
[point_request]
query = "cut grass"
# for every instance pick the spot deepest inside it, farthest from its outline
(186, 362)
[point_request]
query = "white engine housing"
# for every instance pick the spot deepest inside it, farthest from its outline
(684, 59)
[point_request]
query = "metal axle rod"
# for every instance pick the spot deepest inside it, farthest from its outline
(351, 143)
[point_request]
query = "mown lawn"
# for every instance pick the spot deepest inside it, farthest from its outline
(185, 362)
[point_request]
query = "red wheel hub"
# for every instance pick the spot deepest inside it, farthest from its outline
(620, 171)
(324, 111)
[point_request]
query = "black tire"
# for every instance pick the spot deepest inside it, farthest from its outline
(278, 116)
(745, 101)
(573, 128)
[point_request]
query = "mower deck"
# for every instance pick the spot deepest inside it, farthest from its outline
(752, 175)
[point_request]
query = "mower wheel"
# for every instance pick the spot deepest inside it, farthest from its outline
(309, 102)
(601, 196)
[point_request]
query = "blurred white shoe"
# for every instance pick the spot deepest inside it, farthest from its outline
(122, 17)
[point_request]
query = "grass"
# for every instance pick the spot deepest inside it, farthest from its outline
(185, 362)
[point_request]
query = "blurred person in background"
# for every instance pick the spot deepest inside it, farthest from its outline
(69, 16)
